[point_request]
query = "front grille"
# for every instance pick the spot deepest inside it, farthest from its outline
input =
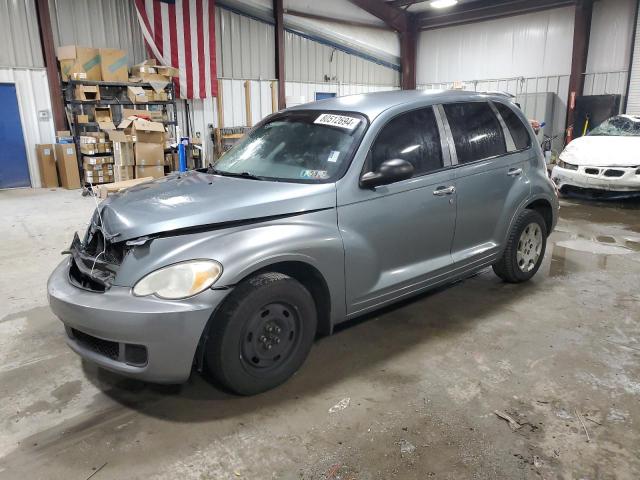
(613, 173)
(102, 347)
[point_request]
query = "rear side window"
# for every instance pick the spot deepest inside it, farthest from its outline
(411, 136)
(518, 131)
(477, 134)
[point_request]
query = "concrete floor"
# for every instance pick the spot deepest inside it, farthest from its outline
(418, 383)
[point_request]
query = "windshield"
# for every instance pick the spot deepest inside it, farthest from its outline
(299, 146)
(619, 126)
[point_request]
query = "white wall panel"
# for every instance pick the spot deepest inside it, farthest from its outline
(610, 39)
(98, 23)
(33, 95)
(633, 99)
(535, 44)
(19, 34)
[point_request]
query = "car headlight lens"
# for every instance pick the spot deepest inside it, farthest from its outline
(566, 165)
(181, 280)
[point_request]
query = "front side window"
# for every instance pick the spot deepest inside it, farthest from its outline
(305, 146)
(477, 134)
(411, 136)
(519, 132)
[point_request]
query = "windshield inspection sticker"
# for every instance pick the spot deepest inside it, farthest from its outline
(315, 174)
(348, 123)
(333, 156)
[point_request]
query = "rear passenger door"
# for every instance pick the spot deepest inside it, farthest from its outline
(490, 177)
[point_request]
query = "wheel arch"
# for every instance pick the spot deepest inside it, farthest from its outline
(544, 208)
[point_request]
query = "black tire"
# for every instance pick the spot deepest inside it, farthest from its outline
(262, 333)
(507, 267)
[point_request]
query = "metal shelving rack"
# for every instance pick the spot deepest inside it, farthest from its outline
(113, 94)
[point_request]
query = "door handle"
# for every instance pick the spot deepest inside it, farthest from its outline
(514, 172)
(441, 191)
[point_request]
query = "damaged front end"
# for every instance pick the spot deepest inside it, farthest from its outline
(95, 260)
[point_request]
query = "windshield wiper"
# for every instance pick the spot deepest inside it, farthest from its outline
(248, 175)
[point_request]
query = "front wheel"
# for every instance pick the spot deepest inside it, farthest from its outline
(524, 250)
(262, 333)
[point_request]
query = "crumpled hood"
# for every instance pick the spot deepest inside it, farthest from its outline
(197, 199)
(603, 151)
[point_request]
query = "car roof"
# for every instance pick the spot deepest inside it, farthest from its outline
(373, 104)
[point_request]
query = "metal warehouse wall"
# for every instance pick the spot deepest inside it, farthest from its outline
(633, 101)
(98, 23)
(19, 34)
(610, 47)
(534, 44)
(245, 49)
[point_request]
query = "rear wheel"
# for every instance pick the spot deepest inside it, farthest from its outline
(262, 333)
(524, 250)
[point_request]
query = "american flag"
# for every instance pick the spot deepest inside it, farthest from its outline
(181, 34)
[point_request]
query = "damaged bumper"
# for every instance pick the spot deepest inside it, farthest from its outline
(622, 180)
(143, 337)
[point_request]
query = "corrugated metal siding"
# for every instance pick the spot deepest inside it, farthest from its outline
(98, 23)
(33, 95)
(535, 44)
(19, 34)
(610, 37)
(309, 61)
(245, 47)
(633, 100)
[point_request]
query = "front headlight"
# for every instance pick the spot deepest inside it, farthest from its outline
(178, 281)
(568, 166)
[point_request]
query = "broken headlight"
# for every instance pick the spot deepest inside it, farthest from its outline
(181, 280)
(568, 166)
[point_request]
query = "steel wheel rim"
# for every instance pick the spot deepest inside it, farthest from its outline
(529, 247)
(270, 337)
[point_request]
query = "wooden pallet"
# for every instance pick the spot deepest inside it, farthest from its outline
(107, 188)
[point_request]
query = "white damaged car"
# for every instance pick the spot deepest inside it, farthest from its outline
(604, 163)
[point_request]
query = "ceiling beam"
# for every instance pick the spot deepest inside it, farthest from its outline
(404, 3)
(351, 23)
(484, 10)
(392, 16)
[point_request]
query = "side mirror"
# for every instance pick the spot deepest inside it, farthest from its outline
(390, 171)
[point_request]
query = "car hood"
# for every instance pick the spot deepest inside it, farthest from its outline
(603, 151)
(195, 199)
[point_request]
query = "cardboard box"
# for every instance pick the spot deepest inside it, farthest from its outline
(95, 179)
(96, 160)
(138, 95)
(87, 92)
(83, 118)
(89, 148)
(104, 168)
(104, 147)
(155, 171)
(113, 65)
(153, 115)
(149, 153)
(79, 60)
(104, 118)
(160, 96)
(123, 153)
(67, 163)
(64, 136)
(47, 165)
(123, 172)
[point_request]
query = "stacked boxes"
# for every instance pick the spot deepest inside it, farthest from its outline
(123, 155)
(97, 158)
(79, 63)
(148, 147)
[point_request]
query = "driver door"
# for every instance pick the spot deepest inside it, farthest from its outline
(398, 237)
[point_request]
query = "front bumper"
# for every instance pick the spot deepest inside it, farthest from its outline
(168, 330)
(598, 178)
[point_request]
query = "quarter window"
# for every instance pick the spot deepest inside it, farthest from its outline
(519, 132)
(477, 134)
(411, 136)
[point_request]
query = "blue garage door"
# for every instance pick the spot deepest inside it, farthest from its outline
(14, 171)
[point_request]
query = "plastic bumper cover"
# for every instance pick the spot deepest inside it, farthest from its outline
(169, 330)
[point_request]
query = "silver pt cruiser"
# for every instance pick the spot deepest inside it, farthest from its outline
(321, 213)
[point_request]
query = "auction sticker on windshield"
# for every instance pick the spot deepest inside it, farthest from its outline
(314, 174)
(341, 121)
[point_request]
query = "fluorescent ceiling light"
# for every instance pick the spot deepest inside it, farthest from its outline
(443, 3)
